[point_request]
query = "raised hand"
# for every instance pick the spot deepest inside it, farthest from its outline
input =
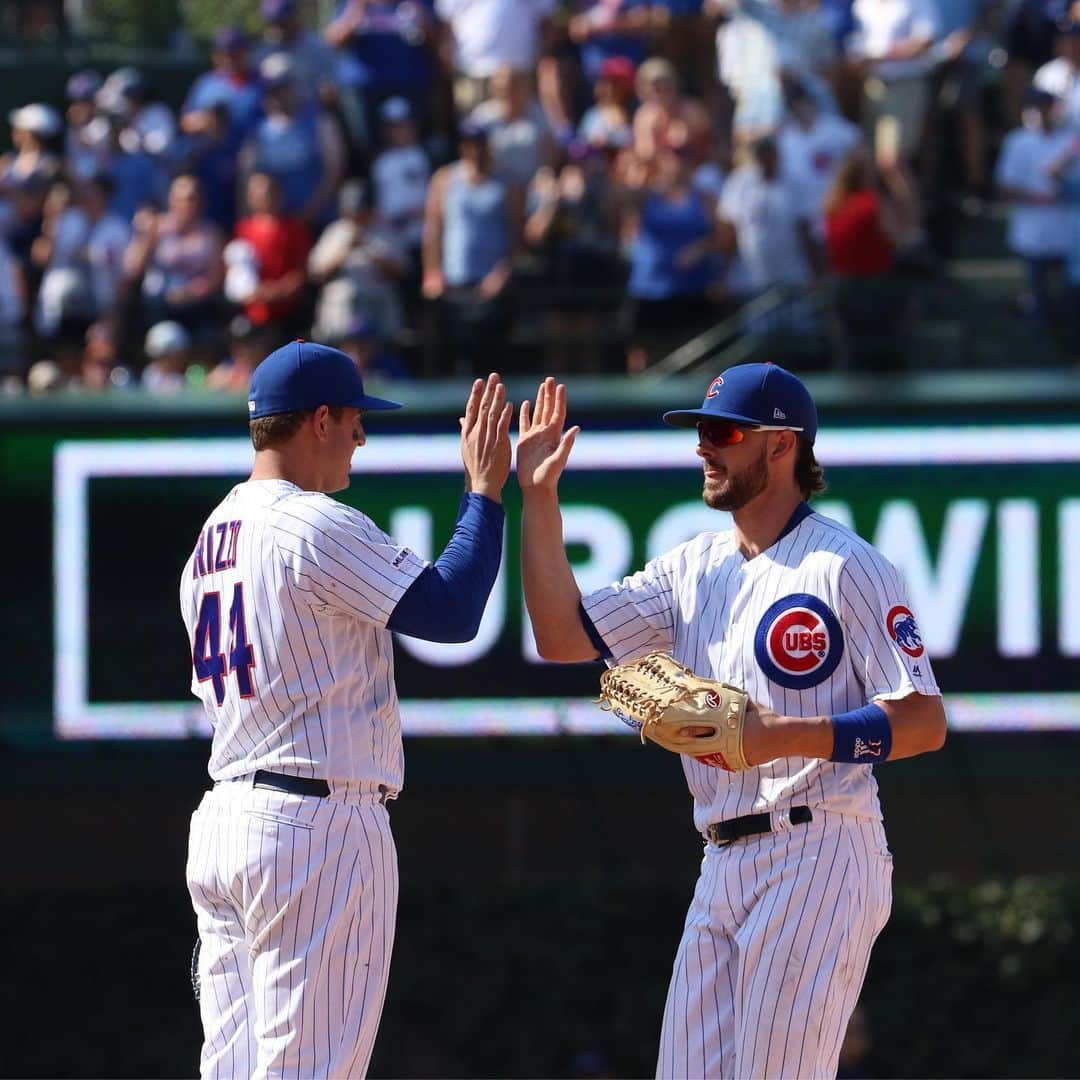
(485, 437)
(543, 447)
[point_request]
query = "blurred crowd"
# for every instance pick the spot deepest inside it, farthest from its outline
(414, 178)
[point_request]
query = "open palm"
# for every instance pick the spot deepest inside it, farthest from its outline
(543, 447)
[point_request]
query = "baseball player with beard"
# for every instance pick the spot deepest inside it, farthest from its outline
(814, 624)
(289, 599)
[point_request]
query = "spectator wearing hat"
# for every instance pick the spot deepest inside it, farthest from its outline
(230, 83)
(127, 94)
(84, 152)
(667, 119)
(401, 174)
(362, 343)
(517, 130)
(35, 130)
(169, 358)
(300, 146)
(606, 124)
(673, 268)
(1061, 76)
(177, 256)
(248, 344)
(313, 60)
(472, 226)
(389, 50)
(358, 264)
(280, 245)
(1039, 218)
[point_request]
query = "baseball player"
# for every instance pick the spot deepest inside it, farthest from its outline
(289, 598)
(814, 624)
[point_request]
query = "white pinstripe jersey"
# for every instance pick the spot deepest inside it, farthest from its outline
(285, 599)
(816, 625)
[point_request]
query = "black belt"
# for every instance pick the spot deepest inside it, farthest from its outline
(294, 785)
(724, 832)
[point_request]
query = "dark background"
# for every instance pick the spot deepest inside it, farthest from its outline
(544, 881)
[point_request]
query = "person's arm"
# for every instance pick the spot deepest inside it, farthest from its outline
(446, 601)
(913, 725)
(341, 29)
(332, 154)
(431, 248)
(552, 596)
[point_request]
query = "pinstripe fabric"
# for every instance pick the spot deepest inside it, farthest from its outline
(780, 929)
(319, 580)
(775, 950)
(295, 898)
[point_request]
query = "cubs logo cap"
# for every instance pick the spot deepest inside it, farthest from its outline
(762, 394)
(303, 375)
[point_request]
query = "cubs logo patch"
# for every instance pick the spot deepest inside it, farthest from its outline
(798, 642)
(714, 386)
(904, 631)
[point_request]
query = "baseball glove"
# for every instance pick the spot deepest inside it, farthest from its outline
(657, 697)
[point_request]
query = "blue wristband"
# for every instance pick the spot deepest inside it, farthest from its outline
(862, 736)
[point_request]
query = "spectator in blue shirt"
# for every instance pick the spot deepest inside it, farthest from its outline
(301, 147)
(230, 83)
(390, 50)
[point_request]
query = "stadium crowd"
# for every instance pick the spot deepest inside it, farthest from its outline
(413, 178)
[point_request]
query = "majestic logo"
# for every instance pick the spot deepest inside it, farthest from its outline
(714, 386)
(251, 406)
(779, 414)
(903, 630)
(867, 748)
(798, 642)
(712, 699)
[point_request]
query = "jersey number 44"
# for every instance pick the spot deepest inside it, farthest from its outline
(209, 661)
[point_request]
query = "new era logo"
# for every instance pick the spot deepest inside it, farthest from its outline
(778, 414)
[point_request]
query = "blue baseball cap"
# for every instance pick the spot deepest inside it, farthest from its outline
(302, 376)
(759, 394)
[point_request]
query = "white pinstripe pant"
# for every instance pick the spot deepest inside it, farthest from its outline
(296, 898)
(774, 952)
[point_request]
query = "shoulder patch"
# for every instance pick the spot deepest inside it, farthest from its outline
(900, 623)
(798, 642)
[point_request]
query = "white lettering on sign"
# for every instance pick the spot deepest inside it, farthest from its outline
(939, 593)
(1018, 621)
(1069, 577)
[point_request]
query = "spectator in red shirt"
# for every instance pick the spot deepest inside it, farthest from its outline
(279, 247)
(866, 228)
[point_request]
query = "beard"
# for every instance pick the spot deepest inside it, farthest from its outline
(734, 492)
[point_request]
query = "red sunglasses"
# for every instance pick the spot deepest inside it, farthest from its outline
(722, 433)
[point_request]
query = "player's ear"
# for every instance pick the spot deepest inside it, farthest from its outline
(785, 442)
(320, 421)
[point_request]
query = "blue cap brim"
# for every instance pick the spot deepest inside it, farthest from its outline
(372, 404)
(688, 418)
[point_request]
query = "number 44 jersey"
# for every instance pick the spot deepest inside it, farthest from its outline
(285, 599)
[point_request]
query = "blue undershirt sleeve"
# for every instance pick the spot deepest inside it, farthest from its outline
(594, 635)
(447, 599)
